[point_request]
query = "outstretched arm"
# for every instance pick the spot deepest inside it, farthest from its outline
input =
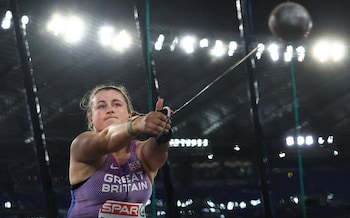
(89, 146)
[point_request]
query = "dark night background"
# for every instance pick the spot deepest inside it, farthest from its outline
(293, 98)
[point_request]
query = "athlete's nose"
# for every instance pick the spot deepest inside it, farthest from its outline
(110, 109)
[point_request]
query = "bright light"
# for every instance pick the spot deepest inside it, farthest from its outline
(309, 140)
(260, 50)
(319, 51)
(230, 205)
(159, 43)
(24, 21)
(290, 140)
(330, 139)
(187, 203)
(118, 42)
(204, 43)
(255, 202)
(210, 203)
(121, 41)
(273, 49)
(300, 53)
(295, 200)
(242, 205)
(74, 30)
(8, 15)
(178, 203)
(337, 52)
(330, 197)
(56, 25)
(71, 28)
(189, 143)
(329, 50)
(8, 204)
(218, 49)
(282, 154)
(232, 47)
(161, 213)
(300, 140)
(187, 43)
(210, 156)
(335, 153)
(106, 35)
(288, 54)
(236, 148)
(6, 22)
(174, 43)
(320, 140)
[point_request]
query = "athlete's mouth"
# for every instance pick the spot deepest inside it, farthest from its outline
(107, 118)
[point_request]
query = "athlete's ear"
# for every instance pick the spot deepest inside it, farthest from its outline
(90, 121)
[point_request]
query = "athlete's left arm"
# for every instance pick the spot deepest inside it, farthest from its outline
(153, 153)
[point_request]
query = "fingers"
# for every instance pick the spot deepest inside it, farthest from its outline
(164, 128)
(163, 125)
(155, 122)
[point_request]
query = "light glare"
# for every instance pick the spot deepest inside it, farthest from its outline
(159, 43)
(309, 140)
(329, 50)
(6, 22)
(204, 43)
(218, 49)
(290, 140)
(187, 44)
(273, 49)
(121, 41)
(300, 140)
(106, 34)
(74, 30)
(56, 25)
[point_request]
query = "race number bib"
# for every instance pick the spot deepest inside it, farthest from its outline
(117, 209)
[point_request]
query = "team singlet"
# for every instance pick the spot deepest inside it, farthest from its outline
(113, 182)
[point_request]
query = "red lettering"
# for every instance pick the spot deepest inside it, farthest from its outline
(120, 209)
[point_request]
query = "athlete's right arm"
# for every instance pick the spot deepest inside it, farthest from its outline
(89, 145)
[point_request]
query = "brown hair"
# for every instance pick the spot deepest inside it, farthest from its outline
(86, 101)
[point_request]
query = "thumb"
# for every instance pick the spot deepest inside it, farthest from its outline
(159, 104)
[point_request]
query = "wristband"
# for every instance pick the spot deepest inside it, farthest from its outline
(165, 138)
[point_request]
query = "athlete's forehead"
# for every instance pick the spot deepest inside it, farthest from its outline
(108, 96)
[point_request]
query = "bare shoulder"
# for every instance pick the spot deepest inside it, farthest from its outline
(84, 148)
(81, 171)
(82, 165)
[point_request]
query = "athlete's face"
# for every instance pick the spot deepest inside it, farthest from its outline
(108, 107)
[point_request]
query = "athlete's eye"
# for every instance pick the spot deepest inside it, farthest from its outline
(101, 106)
(117, 104)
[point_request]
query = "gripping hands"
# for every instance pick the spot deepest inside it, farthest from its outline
(152, 124)
(163, 138)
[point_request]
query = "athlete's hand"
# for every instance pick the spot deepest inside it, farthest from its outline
(154, 123)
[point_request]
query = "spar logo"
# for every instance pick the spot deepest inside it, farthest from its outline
(116, 209)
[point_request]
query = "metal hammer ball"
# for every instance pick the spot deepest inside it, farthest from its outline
(290, 21)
